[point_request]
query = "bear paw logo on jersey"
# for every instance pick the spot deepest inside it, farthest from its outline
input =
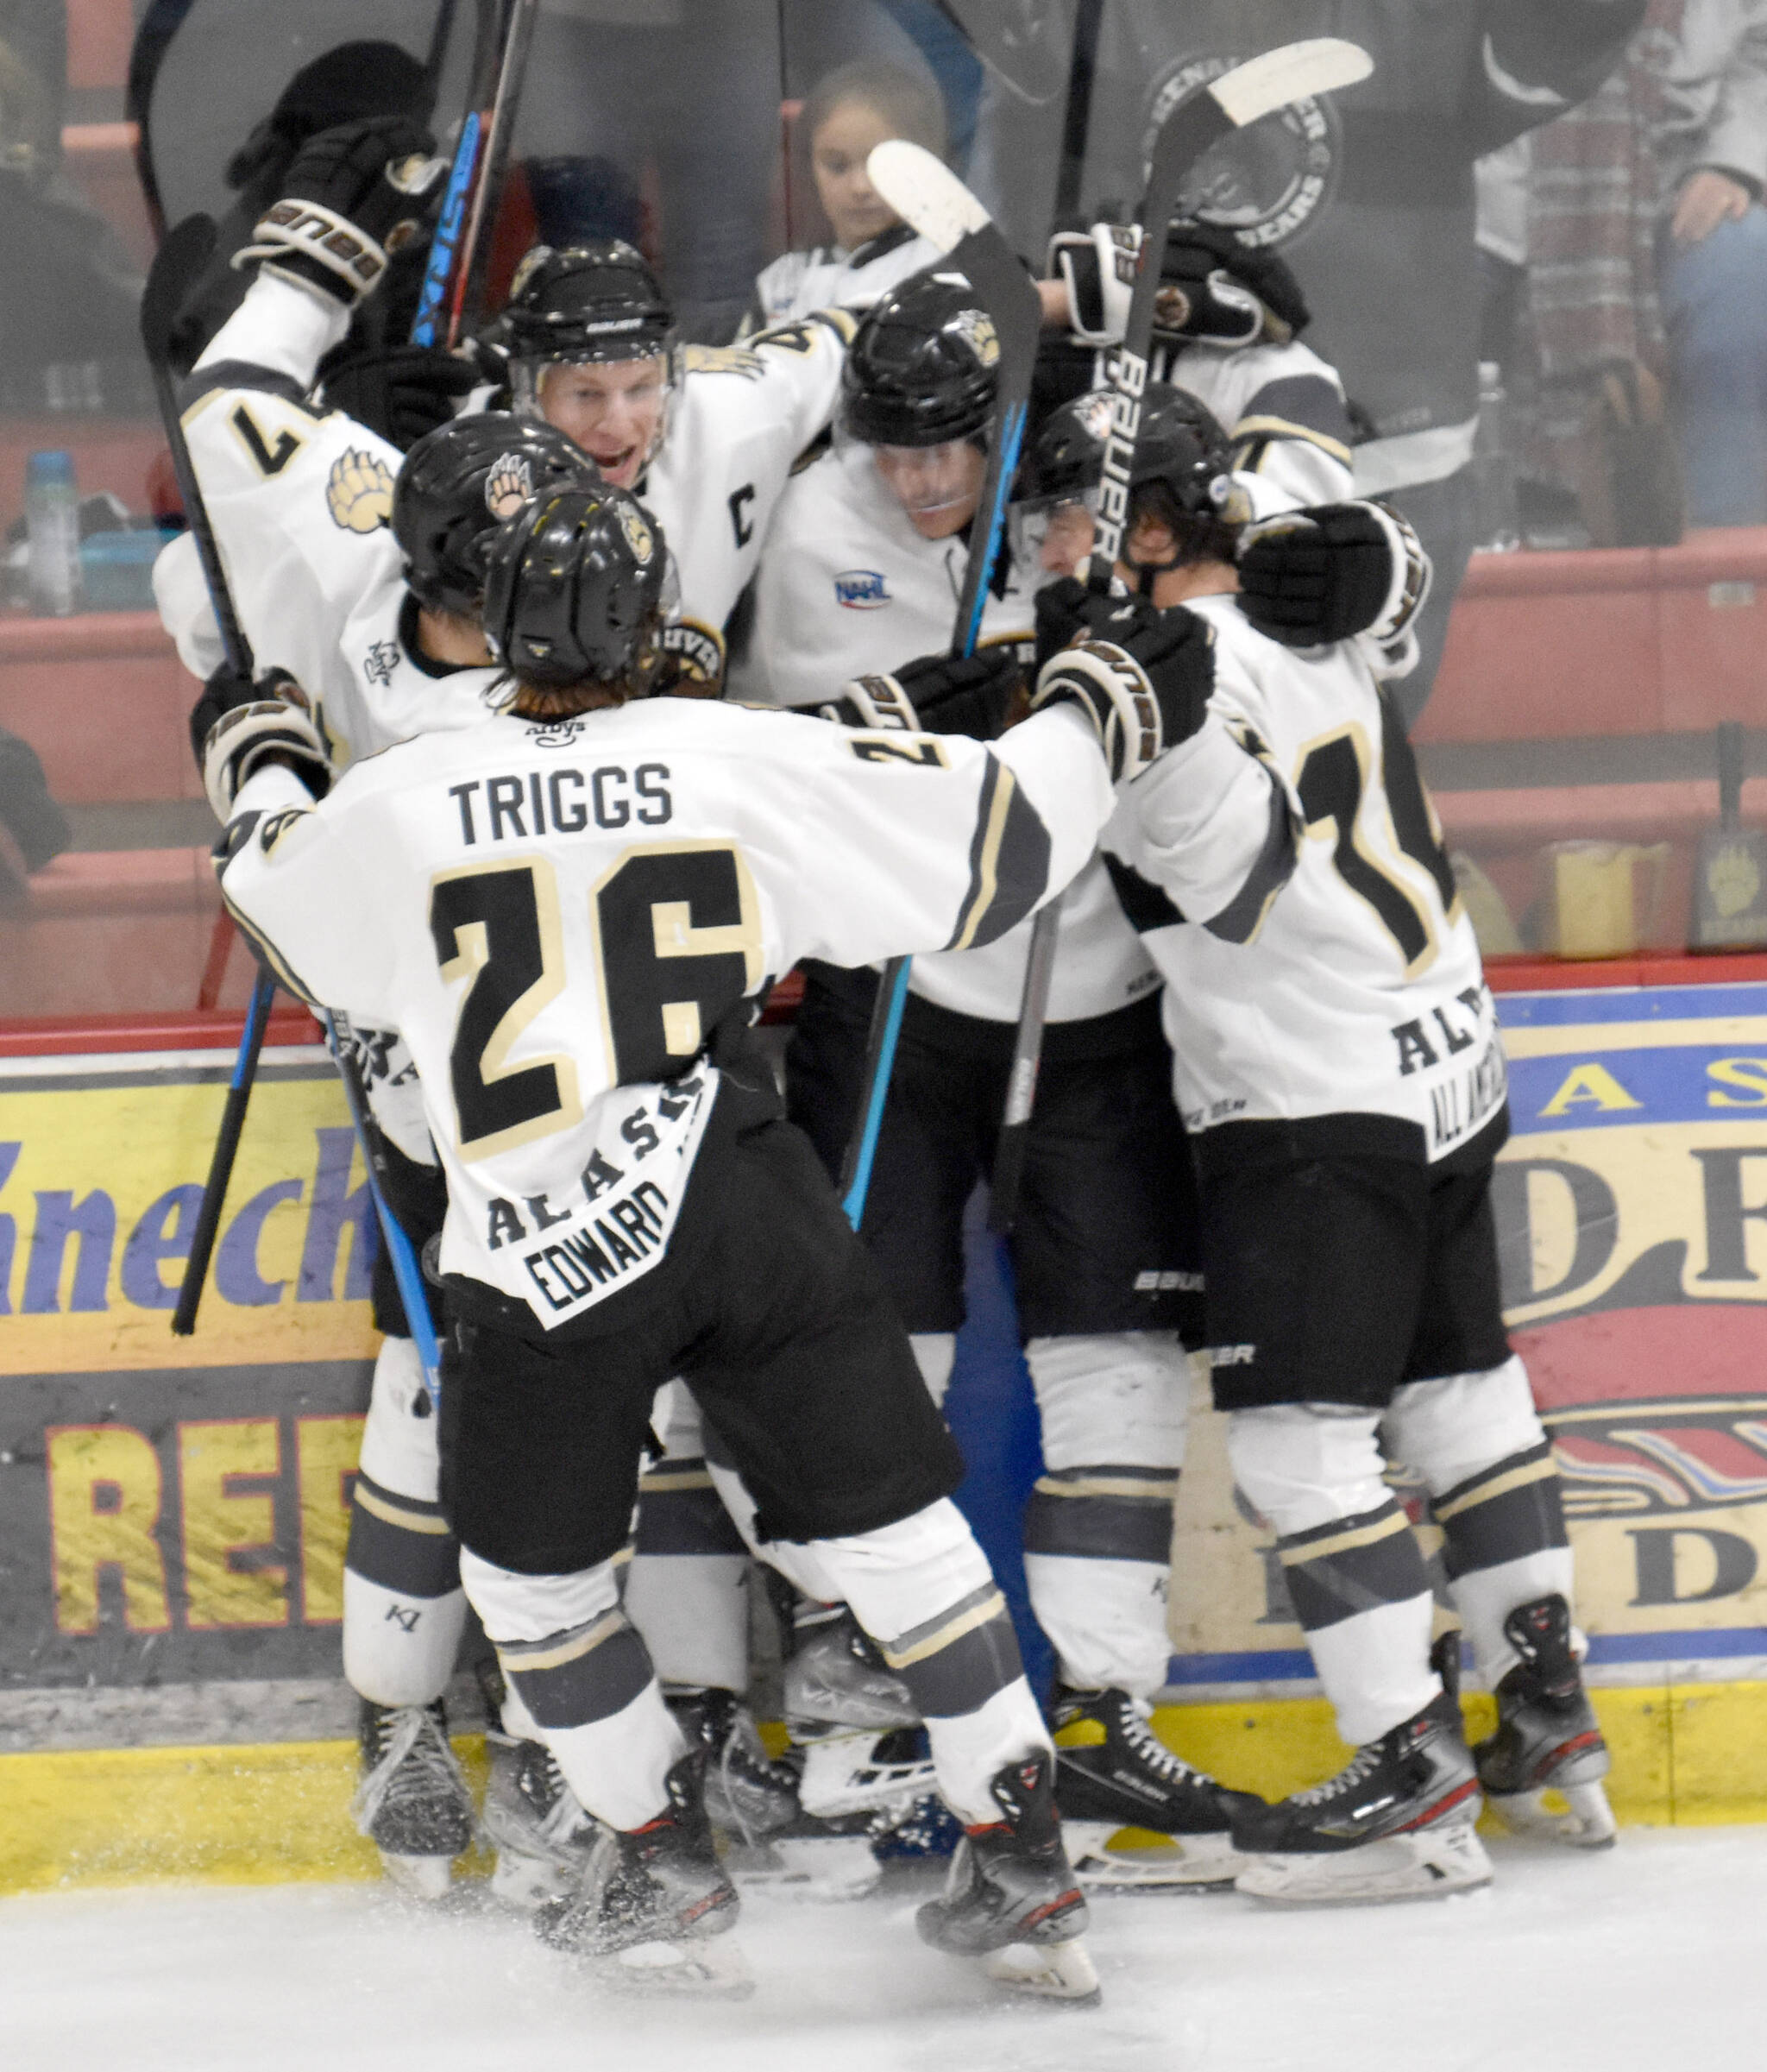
(976, 327)
(1267, 181)
(359, 491)
(861, 589)
(638, 536)
(509, 487)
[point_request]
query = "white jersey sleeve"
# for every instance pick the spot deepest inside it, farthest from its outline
(797, 283)
(562, 914)
(743, 415)
(1282, 407)
(1359, 993)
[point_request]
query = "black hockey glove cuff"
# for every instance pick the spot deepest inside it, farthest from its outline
(1219, 292)
(1311, 577)
(1070, 610)
(224, 692)
(402, 393)
(964, 694)
(1145, 691)
(874, 705)
(272, 722)
(354, 194)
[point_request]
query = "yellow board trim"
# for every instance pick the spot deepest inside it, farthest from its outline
(1684, 1756)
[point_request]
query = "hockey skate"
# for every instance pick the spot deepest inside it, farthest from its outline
(1547, 1746)
(864, 1767)
(1011, 1898)
(1113, 1773)
(1396, 1822)
(413, 1803)
(651, 1904)
(542, 1836)
(747, 1796)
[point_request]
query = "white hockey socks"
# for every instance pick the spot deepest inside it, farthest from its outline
(1115, 1409)
(1479, 1444)
(404, 1610)
(584, 1679)
(1355, 1573)
(686, 1589)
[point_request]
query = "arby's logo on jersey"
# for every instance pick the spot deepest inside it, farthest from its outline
(861, 589)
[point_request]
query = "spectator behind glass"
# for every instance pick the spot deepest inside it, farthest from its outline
(1708, 59)
(846, 114)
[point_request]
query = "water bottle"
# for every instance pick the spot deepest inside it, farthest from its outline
(52, 526)
(1493, 465)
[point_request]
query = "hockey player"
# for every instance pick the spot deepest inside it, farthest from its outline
(572, 954)
(705, 436)
(1105, 1260)
(846, 114)
(1338, 1065)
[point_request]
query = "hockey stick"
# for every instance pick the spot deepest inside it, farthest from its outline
(459, 251)
(931, 200)
(1258, 88)
(176, 264)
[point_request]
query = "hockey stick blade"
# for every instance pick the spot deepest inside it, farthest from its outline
(1294, 72)
(925, 192)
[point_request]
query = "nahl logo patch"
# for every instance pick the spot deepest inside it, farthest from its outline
(359, 491)
(861, 589)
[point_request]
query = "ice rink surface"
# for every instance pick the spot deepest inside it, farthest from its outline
(1649, 1956)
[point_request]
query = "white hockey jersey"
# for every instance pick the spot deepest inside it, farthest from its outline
(847, 587)
(1282, 406)
(562, 913)
(739, 419)
(301, 502)
(1318, 960)
(825, 276)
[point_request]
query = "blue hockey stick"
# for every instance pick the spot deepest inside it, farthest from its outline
(930, 197)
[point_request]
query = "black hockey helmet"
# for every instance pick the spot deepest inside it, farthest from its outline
(922, 366)
(1180, 447)
(594, 301)
(574, 590)
(459, 483)
(1066, 462)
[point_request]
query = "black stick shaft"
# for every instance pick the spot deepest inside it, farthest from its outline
(202, 1244)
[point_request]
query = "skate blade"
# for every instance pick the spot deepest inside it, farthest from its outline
(808, 1866)
(1063, 1972)
(694, 1970)
(839, 1779)
(1575, 1815)
(524, 1883)
(424, 1879)
(1430, 1865)
(1110, 1858)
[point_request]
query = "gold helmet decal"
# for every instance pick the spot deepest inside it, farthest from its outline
(638, 536)
(509, 487)
(977, 328)
(359, 491)
(531, 261)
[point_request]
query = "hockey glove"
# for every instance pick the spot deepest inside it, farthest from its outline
(1069, 610)
(1310, 577)
(874, 705)
(1215, 290)
(247, 737)
(401, 393)
(964, 694)
(1145, 691)
(225, 692)
(353, 194)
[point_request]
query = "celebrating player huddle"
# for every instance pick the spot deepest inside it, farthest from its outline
(485, 799)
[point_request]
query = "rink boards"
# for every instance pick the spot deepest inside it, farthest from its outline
(172, 1513)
